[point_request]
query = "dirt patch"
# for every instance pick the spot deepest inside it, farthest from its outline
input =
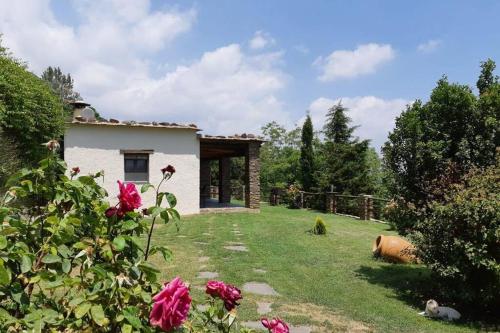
(324, 319)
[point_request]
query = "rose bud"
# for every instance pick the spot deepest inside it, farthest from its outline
(110, 212)
(75, 171)
(169, 168)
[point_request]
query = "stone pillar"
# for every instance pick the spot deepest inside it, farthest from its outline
(331, 202)
(252, 175)
(225, 180)
(365, 207)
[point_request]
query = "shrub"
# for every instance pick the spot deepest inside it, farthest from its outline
(459, 239)
(319, 227)
(401, 215)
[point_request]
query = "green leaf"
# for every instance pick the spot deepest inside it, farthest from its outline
(164, 215)
(26, 264)
(4, 276)
(146, 187)
(132, 315)
(3, 242)
(126, 328)
(129, 225)
(156, 211)
(98, 315)
(119, 243)
(66, 266)
(174, 213)
(172, 200)
(82, 309)
(50, 259)
(166, 252)
(75, 301)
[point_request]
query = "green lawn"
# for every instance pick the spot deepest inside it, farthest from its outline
(330, 282)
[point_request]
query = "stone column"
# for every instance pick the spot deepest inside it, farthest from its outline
(204, 181)
(365, 207)
(225, 180)
(252, 172)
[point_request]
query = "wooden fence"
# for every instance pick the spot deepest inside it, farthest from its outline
(366, 207)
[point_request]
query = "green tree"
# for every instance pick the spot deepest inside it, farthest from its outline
(61, 84)
(30, 113)
(486, 78)
(307, 155)
(279, 157)
(345, 161)
(452, 128)
(337, 129)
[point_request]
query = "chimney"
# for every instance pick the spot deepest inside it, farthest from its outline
(83, 110)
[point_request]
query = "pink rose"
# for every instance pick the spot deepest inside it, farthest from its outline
(228, 293)
(129, 197)
(171, 305)
(276, 325)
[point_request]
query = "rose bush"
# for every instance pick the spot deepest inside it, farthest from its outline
(71, 262)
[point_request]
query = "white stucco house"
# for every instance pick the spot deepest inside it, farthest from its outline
(137, 151)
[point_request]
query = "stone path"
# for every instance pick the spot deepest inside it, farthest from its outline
(263, 307)
(207, 275)
(260, 271)
(259, 288)
(203, 259)
(240, 248)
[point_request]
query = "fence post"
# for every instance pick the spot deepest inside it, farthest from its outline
(301, 199)
(331, 202)
(365, 207)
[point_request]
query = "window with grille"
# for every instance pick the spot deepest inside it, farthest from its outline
(136, 167)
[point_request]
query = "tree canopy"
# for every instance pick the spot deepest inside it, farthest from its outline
(307, 154)
(30, 113)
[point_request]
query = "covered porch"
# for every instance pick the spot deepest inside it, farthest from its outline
(222, 150)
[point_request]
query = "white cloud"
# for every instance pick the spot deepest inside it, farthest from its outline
(111, 55)
(429, 46)
(374, 115)
(261, 40)
(365, 59)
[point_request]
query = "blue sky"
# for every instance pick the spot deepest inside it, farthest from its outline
(232, 66)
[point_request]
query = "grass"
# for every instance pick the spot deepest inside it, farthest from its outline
(331, 282)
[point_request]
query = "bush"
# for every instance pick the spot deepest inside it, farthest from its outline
(30, 113)
(459, 239)
(401, 215)
(319, 227)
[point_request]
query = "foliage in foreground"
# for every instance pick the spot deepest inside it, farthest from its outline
(70, 262)
(460, 239)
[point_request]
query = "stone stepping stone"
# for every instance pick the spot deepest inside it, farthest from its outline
(201, 243)
(259, 270)
(259, 288)
(203, 259)
(202, 266)
(263, 307)
(257, 325)
(234, 243)
(181, 236)
(207, 275)
(207, 234)
(239, 248)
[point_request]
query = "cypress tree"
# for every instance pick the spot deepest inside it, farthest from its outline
(307, 155)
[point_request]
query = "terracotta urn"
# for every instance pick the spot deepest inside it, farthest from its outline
(394, 249)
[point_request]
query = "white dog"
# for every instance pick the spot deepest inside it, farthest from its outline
(433, 310)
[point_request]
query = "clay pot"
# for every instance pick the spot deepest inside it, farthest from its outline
(393, 249)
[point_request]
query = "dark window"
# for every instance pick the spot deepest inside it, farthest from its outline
(136, 167)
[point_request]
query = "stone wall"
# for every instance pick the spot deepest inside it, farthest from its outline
(252, 169)
(225, 180)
